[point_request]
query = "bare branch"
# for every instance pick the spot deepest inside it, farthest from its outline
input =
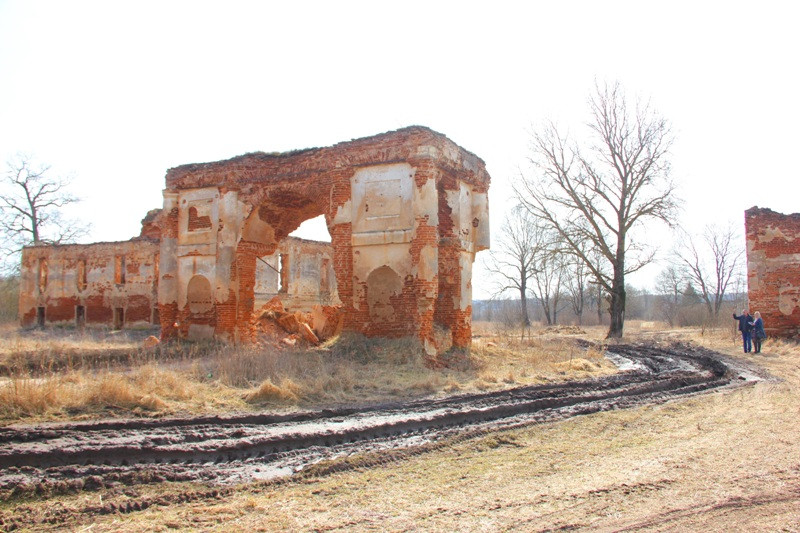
(594, 197)
(30, 204)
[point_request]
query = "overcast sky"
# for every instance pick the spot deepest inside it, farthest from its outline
(115, 93)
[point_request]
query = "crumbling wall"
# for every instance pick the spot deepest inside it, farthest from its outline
(382, 198)
(773, 269)
(111, 283)
(406, 211)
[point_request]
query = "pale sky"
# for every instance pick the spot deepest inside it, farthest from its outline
(115, 93)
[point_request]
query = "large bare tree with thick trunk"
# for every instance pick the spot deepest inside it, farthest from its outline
(604, 191)
(30, 207)
(711, 265)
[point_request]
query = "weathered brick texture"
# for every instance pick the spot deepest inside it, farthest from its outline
(406, 211)
(773, 269)
(86, 276)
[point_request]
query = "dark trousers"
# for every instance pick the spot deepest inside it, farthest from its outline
(747, 342)
(757, 344)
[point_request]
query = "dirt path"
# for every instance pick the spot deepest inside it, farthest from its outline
(70, 457)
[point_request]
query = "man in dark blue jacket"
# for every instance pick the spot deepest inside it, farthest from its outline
(744, 326)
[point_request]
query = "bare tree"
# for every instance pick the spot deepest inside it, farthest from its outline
(578, 280)
(669, 287)
(577, 283)
(602, 193)
(712, 264)
(549, 275)
(512, 259)
(30, 206)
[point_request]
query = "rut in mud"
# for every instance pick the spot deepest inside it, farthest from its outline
(241, 448)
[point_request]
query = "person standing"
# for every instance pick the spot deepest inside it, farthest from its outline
(744, 326)
(758, 332)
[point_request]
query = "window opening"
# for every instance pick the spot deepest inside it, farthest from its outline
(42, 275)
(119, 269)
(80, 316)
(284, 273)
(199, 220)
(81, 275)
(40, 317)
(119, 317)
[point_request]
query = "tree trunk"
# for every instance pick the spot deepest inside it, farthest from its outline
(546, 308)
(617, 312)
(599, 304)
(526, 321)
(617, 308)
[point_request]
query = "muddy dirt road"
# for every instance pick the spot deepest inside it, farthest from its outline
(67, 457)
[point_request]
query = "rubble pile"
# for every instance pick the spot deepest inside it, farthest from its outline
(273, 320)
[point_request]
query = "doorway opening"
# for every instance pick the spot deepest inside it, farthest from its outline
(80, 316)
(119, 317)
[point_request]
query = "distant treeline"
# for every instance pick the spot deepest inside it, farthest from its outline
(9, 298)
(687, 309)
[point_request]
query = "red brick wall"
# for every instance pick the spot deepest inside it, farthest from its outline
(101, 294)
(284, 190)
(773, 269)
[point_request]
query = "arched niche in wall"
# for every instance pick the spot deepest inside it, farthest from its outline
(383, 283)
(199, 296)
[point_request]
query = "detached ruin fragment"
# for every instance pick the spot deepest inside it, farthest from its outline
(406, 211)
(773, 269)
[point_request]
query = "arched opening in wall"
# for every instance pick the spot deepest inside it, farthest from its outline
(300, 271)
(314, 229)
(383, 286)
(199, 296)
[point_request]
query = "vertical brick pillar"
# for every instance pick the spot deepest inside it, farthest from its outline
(449, 270)
(168, 268)
(245, 267)
(340, 228)
(461, 318)
(425, 251)
(227, 311)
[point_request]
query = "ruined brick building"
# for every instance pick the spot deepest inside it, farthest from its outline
(773, 269)
(116, 283)
(406, 211)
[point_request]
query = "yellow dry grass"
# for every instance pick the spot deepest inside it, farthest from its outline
(146, 390)
(61, 375)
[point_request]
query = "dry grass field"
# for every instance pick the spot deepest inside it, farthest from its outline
(68, 375)
(721, 461)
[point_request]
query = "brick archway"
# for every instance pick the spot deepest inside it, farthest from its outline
(393, 200)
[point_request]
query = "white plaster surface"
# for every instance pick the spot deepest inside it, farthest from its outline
(381, 198)
(788, 298)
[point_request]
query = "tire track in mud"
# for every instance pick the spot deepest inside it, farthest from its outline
(219, 449)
